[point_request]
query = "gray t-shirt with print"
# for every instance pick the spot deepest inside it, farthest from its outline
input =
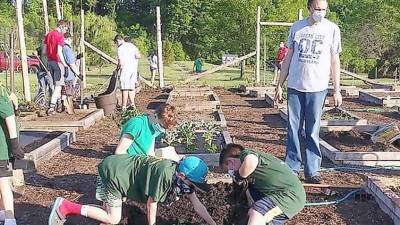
(313, 46)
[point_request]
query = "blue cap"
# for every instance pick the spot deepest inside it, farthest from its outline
(195, 170)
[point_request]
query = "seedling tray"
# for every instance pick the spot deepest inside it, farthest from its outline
(383, 98)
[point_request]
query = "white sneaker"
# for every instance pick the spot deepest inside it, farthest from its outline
(2, 215)
(10, 222)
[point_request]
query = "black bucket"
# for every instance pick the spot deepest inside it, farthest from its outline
(108, 99)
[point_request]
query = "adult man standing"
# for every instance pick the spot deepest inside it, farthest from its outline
(128, 61)
(43, 75)
(54, 45)
(313, 57)
(283, 50)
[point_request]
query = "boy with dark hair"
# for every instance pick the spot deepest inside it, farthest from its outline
(273, 190)
(142, 179)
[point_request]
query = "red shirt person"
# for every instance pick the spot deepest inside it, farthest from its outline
(54, 43)
(283, 50)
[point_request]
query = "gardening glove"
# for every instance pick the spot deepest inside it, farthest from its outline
(239, 180)
(16, 149)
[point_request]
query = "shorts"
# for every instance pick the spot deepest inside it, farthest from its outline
(265, 205)
(128, 79)
(278, 65)
(102, 194)
(57, 71)
(5, 168)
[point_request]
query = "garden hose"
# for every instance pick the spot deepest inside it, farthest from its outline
(337, 201)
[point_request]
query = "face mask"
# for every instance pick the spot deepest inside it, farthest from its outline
(182, 188)
(158, 129)
(318, 15)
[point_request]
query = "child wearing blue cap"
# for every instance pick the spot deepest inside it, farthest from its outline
(143, 179)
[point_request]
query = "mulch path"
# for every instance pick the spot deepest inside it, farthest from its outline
(71, 173)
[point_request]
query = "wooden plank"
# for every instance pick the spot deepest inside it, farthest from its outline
(366, 80)
(372, 163)
(276, 24)
(341, 186)
(160, 61)
(360, 128)
(218, 68)
(114, 61)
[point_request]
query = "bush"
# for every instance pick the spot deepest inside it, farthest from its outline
(168, 52)
(180, 54)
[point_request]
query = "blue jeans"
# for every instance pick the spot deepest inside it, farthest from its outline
(304, 108)
(45, 81)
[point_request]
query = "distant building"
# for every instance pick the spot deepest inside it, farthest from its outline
(227, 58)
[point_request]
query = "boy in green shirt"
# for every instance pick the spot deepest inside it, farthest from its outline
(197, 65)
(9, 147)
(143, 179)
(138, 134)
(274, 192)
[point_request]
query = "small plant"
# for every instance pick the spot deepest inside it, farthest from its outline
(171, 137)
(123, 116)
(209, 136)
(336, 114)
(187, 131)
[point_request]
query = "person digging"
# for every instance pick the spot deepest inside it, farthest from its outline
(9, 150)
(143, 179)
(275, 194)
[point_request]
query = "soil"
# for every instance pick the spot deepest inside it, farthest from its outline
(388, 115)
(63, 117)
(195, 116)
(72, 173)
(386, 94)
(36, 144)
(395, 190)
(337, 114)
(354, 141)
(192, 99)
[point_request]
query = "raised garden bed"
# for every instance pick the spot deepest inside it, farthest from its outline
(379, 97)
(269, 99)
(346, 91)
(82, 119)
(334, 117)
(215, 116)
(194, 101)
(356, 148)
(259, 92)
(40, 145)
(386, 193)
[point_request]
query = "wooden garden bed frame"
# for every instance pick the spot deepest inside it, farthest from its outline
(326, 123)
(387, 199)
(368, 96)
(197, 105)
(346, 91)
(84, 123)
(259, 92)
(360, 158)
(269, 99)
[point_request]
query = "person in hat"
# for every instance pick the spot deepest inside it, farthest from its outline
(143, 179)
(274, 192)
(9, 148)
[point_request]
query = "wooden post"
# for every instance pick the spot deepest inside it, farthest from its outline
(265, 59)
(58, 10)
(12, 75)
(82, 47)
(71, 28)
(159, 48)
(242, 68)
(45, 17)
(258, 33)
(24, 60)
(300, 14)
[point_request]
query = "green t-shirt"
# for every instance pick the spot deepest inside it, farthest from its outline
(137, 177)
(198, 65)
(6, 110)
(275, 179)
(143, 134)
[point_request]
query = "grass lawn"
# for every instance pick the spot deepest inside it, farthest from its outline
(97, 77)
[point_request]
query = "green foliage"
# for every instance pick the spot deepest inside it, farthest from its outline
(122, 117)
(168, 52)
(102, 38)
(179, 53)
(187, 131)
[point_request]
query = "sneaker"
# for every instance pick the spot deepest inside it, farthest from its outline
(51, 111)
(10, 222)
(314, 180)
(55, 217)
